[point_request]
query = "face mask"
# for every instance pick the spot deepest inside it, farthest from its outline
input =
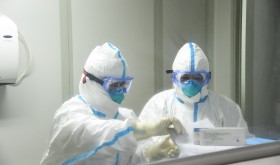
(192, 88)
(118, 98)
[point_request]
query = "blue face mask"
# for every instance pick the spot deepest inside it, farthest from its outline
(118, 98)
(192, 88)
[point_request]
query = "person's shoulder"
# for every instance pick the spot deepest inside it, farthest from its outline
(75, 100)
(220, 97)
(159, 99)
(73, 104)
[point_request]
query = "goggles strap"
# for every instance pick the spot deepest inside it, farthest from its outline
(92, 78)
(169, 71)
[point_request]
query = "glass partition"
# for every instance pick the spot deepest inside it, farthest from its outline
(260, 70)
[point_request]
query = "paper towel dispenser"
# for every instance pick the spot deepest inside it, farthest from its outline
(9, 51)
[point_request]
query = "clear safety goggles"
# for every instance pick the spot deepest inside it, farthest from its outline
(182, 78)
(113, 85)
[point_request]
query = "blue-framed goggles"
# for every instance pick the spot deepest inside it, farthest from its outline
(182, 78)
(112, 85)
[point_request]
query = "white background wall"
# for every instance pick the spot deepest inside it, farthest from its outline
(223, 45)
(26, 110)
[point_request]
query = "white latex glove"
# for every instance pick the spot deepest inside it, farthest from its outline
(164, 126)
(162, 148)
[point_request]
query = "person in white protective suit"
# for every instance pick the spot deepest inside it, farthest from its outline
(190, 101)
(92, 128)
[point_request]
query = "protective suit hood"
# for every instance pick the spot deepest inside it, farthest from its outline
(190, 58)
(103, 62)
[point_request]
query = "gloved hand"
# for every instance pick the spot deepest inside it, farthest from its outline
(162, 148)
(143, 130)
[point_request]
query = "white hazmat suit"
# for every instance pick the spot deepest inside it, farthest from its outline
(218, 109)
(92, 128)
